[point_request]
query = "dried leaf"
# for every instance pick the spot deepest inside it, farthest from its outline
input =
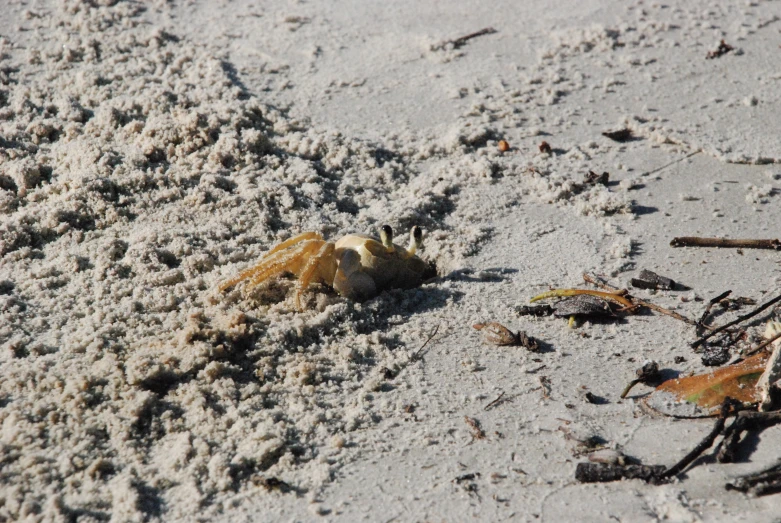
(496, 333)
(583, 305)
(617, 297)
(708, 390)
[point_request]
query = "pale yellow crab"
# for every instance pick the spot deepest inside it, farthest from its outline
(357, 266)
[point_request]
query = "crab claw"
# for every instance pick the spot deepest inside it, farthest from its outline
(350, 281)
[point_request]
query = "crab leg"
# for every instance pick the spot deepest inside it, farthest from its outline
(292, 241)
(320, 266)
(275, 263)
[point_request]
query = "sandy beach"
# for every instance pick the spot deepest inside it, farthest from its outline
(150, 151)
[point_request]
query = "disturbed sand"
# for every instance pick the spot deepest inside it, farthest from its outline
(149, 151)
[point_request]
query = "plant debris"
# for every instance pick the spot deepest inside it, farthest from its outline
(648, 374)
(709, 390)
(587, 472)
(528, 342)
(466, 477)
(271, 483)
(721, 50)
(695, 241)
(593, 178)
(715, 355)
(701, 323)
(474, 425)
(636, 301)
(761, 483)
(594, 399)
(769, 384)
(618, 297)
(418, 354)
(650, 280)
(495, 402)
(619, 135)
(545, 147)
(533, 310)
(457, 43)
(740, 319)
(466, 481)
(745, 421)
(545, 385)
(583, 305)
(602, 472)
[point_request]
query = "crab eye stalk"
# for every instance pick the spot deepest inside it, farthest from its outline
(415, 240)
(386, 237)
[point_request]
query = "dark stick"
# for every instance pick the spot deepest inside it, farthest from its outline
(704, 445)
(459, 42)
(604, 472)
(494, 402)
(762, 345)
(714, 301)
(629, 387)
(741, 319)
(759, 483)
(695, 241)
(417, 353)
(744, 421)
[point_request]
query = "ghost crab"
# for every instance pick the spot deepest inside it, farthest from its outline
(357, 266)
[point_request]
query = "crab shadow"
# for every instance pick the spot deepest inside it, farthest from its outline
(492, 274)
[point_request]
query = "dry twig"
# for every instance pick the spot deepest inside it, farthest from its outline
(695, 241)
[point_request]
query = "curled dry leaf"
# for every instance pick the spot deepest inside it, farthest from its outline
(708, 390)
(497, 334)
(618, 297)
(582, 305)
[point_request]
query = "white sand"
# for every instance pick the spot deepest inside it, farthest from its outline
(149, 151)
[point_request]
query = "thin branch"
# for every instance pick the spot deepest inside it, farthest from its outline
(705, 444)
(714, 301)
(416, 356)
(461, 41)
(740, 319)
(762, 345)
(695, 241)
(494, 402)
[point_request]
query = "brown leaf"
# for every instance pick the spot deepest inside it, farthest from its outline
(709, 390)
